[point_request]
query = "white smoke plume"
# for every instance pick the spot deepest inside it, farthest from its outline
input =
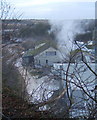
(65, 31)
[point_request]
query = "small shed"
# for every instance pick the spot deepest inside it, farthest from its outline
(28, 61)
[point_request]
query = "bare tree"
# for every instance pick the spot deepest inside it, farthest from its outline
(62, 100)
(74, 74)
(11, 51)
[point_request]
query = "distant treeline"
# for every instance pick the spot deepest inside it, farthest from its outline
(87, 26)
(39, 29)
(26, 28)
(35, 28)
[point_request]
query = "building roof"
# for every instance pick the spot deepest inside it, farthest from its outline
(40, 49)
(79, 52)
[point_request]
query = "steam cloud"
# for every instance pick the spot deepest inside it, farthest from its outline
(65, 30)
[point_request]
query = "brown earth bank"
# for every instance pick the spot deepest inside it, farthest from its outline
(15, 108)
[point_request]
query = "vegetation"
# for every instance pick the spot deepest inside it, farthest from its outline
(38, 29)
(85, 37)
(15, 105)
(87, 27)
(15, 108)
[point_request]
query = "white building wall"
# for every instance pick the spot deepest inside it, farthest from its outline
(42, 57)
(82, 72)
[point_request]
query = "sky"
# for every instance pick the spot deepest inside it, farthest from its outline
(55, 9)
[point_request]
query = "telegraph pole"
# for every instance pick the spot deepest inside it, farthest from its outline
(95, 46)
(95, 49)
(95, 69)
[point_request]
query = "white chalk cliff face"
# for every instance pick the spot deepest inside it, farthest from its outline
(39, 88)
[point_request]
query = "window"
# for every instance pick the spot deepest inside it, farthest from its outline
(39, 62)
(50, 53)
(46, 61)
(61, 67)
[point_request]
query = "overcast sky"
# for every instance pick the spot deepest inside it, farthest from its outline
(55, 9)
